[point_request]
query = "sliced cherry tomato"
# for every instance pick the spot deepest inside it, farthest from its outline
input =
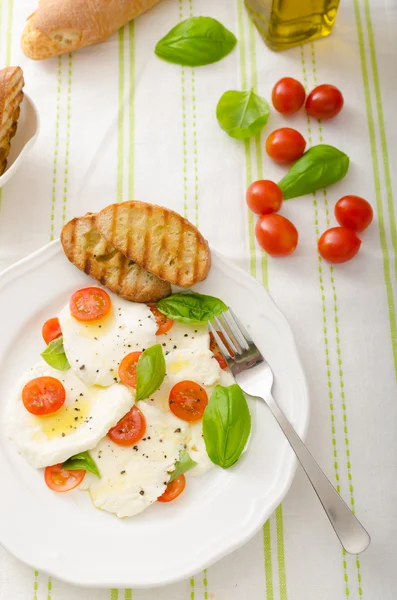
(173, 489)
(127, 369)
(288, 96)
(62, 480)
(90, 304)
(338, 244)
(264, 197)
(164, 323)
(324, 102)
(276, 235)
(130, 429)
(187, 400)
(285, 145)
(216, 351)
(51, 330)
(354, 213)
(43, 396)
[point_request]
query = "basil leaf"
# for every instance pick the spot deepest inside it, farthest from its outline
(83, 461)
(150, 372)
(55, 355)
(184, 464)
(195, 42)
(318, 168)
(191, 308)
(226, 425)
(242, 114)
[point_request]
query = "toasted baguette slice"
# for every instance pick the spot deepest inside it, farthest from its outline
(11, 96)
(158, 239)
(90, 252)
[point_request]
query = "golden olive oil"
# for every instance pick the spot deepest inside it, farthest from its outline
(287, 23)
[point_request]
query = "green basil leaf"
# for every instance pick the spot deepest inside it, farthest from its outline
(195, 42)
(318, 168)
(242, 114)
(191, 308)
(150, 372)
(55, 355)
(83, 461)
(226, 425)
(184, 464)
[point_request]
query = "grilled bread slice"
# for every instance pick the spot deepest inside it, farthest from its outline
(89, 251)
(158, 239)
(11, 96)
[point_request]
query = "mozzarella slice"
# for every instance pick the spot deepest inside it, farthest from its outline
(95, 350)
(85, 418)
(132, 478)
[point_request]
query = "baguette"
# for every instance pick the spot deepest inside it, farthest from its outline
(91, 253)
(11, 96)
(60, 26)
(158, 239)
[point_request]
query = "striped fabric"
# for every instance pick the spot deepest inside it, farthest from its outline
(118, 123)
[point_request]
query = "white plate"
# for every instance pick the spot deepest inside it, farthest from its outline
(25, 137)
(63, 534)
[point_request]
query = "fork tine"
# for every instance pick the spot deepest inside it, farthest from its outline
(237, 329)
(232, 343)
(219, 341)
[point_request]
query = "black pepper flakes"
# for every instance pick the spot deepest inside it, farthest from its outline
(177, 430)
(82, 367)
(142, 493)
(122, 472)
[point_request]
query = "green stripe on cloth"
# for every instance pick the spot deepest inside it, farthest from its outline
(249, 146)
(128, 594)
(382, 131)
(35, 584)
(68, 117)
(248, 160)
(56, 149)
(325, 333)
(282, 574)
(114, 594)
(378, 193)
(120, 120)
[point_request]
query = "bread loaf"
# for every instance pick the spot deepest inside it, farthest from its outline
(59, 26)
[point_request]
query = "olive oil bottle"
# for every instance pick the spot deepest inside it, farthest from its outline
(287, 23)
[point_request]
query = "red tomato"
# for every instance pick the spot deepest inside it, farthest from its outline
(285, 145)
(43, 396)
(187, 400)
(90, 304)
(130, 429)
(127, 369)
(264, 197)
(324, 102)
(338, 244)
(51, 330)
(276, 235)
(354, 213)
(164, 323)
(288, 96)
(216, 351)
(62, 480)
(173, 489)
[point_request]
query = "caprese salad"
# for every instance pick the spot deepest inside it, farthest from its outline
(125, 400)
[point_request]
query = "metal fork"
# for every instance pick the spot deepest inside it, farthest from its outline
(255, 378)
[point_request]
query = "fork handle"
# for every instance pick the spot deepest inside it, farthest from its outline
(352, 535)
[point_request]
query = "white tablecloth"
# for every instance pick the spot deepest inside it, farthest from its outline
(118, 123)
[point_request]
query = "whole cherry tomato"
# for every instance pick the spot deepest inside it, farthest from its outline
(264, 197)
(338, 244)
(285, 145)
(276, 235)
(324, 102)
(288, 96)
(354, 213)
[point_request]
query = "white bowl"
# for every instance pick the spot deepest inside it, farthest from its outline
(24, 140)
